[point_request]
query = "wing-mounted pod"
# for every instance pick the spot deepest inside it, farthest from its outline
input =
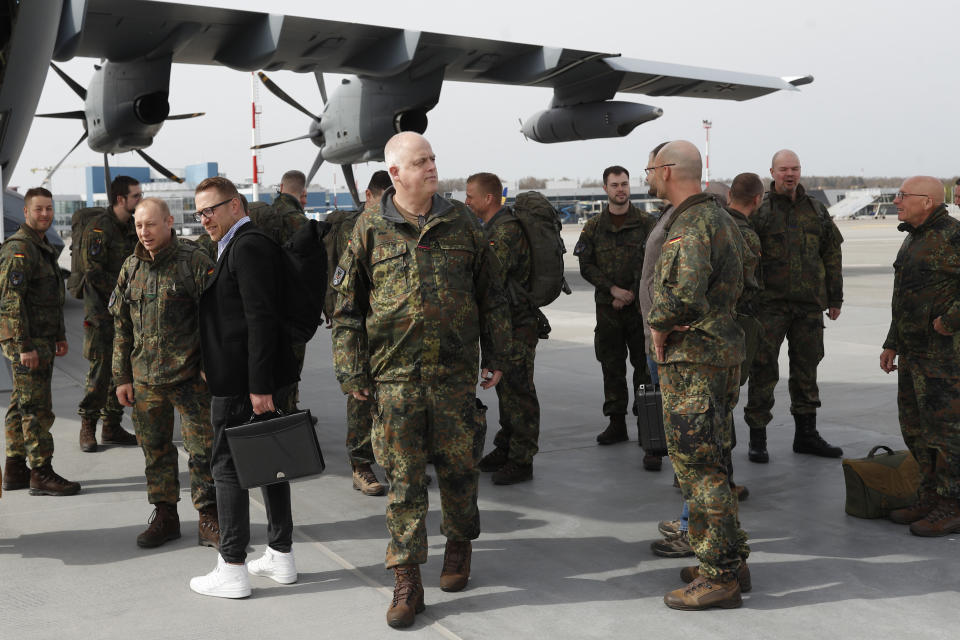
(609, 119)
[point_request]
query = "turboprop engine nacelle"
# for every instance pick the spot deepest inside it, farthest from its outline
(587, 121)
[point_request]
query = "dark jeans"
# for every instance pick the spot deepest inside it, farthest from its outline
(233, 503)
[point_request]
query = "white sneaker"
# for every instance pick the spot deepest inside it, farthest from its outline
(226, 581)
(275, 565)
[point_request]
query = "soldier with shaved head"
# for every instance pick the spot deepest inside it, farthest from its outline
(698, 346)
(924, 341)
(802, 278)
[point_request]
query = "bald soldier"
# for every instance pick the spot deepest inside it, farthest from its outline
(698, 346)
(924, 340)
(802, 278)
(417, 291)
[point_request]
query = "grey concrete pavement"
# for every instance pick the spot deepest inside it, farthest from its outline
(564, 556)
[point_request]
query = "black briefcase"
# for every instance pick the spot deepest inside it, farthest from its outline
(653, 439)
(267, 451)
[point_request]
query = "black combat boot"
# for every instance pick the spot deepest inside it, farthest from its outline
(16, 475)
(88, 434)
(757, 450)
(615, 432)
(113, 433)
(164, 526)
(512, 473)
(806, 439)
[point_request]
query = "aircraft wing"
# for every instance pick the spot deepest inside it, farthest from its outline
(248, 41)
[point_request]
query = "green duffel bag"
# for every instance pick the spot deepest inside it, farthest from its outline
(878, 484)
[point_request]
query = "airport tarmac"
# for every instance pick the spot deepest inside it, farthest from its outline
(566, 555)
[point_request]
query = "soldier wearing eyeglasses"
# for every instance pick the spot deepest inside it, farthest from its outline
(802, 278)
(924, 340)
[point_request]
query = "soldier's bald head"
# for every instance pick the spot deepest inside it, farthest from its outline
(927, 186)
(685, 160)
(412, 166)
(400, 146)
(785, 156)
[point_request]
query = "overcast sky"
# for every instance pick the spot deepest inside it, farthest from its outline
(884, 101)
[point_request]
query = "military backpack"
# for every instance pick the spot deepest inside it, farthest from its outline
(78, 263)
(541, 226)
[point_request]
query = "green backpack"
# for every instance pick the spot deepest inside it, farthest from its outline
(541, 225)
(78, 263)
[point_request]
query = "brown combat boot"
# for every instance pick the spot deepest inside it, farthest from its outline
(16, 475)
(924, 505)
(407, 596)
(943, 520)
(208, 528)
(164, 526)
(113, 433)
(706, 593)
(689, 574)
(44, 481)
(456, 565)
(365, 481)
(88, 434)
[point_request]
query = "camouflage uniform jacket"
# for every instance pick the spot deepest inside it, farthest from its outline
(801, 255)
(610, 256)
(413, 303)
(32, 292)
(281, 219)
(157, 338)
(335, 242)
(752, 274)
(106, 244)
(697, 282)
(508, 243)
(927, 286)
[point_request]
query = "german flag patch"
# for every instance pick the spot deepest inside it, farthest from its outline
(211, 270)
(677, 239)
(19, 255)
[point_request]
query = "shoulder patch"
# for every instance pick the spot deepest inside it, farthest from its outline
(580, 247)
(96, 244)
(338, 276)
(16, 277)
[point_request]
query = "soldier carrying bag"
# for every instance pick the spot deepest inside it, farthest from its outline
(274, 448)
(878, 484)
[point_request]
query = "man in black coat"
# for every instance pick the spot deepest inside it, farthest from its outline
(248, 363)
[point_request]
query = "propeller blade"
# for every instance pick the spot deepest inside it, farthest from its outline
(73, 115)
(315, 167)
(280, 93)
(273, 144)
(321, 85)
(159, 167)
(185, 116)
(351, 183)
(106, 177)
(73, 84)
(57, 166)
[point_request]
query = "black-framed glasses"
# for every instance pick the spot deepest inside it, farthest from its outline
(207, 212)
(660, 166)
(901, 195)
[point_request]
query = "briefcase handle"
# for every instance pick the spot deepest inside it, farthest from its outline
(888, 450)
(269, 415)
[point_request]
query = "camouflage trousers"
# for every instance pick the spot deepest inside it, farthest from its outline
(153, 422)
(30, 414)
(359, 425)
(414, 423)
(697, 400)
(99, 394)
(803, 330)
(519, 407)
(617, 334)
(929, 408)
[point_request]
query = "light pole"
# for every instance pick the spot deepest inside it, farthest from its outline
(706, 125)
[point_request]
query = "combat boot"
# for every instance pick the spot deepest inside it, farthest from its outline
(512, 473)
(807, 439)
(924, 505)
(493, 460)
(943, 520)
(615, 432)
(208, 527)
(456, 565)
(365, 481)
(652, 462)
(407, 596)
(689, 574)
(706, 593)
(757, 450)
(88, 434)
(674, 546)
(16, 475)
(113, 433)
(44, 481)
(164, 526)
